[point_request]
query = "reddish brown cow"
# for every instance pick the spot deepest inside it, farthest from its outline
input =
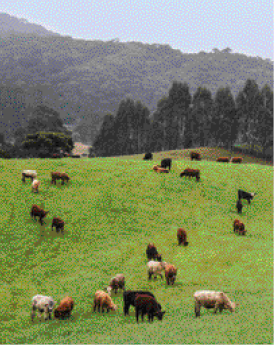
(195, 155)
(239, 227)
(64, 309)
(182, 237)
(59, 176)
(170, 273)
(36, 211)
(191, 173)
(223, 159)
(236, 160)
(58, 224)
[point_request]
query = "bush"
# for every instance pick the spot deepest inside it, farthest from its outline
(4, 154)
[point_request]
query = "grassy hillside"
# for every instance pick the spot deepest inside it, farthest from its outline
(113, 208)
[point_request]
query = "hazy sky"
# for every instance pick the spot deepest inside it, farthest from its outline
(190, 25)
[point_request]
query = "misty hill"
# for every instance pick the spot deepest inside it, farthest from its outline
(86, 79)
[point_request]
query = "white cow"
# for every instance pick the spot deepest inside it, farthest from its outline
(42, 304)
(212, 299)
(155, 268)
(35, 185)
(29, 173)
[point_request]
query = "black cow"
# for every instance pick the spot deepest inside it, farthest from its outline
(245, 195)
(166, 163)
(129, 299)
(148, 156)
(147, 305)
(152, 253)
(239, 206)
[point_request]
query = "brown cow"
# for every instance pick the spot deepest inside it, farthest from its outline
(58, 224)
(191, 173)
(103, 300)
(147, 305)
(64, 309)
(236, 160)
(239, 227)
(195, 155)
(59, 176)
(223, 159)
(170, 273)
(36, 211)
(159, 169)
(182, 237)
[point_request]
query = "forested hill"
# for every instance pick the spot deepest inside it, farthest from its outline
(87, 79)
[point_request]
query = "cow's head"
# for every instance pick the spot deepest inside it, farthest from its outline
(159, 314)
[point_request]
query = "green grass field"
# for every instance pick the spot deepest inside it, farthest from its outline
(112, 209)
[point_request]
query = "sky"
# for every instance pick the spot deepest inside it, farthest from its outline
(245, 26)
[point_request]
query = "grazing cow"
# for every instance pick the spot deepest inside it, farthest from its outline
(147, 305)
(155, 268)
(245, 195)
(182, 237)
(212, 299)
(59, 176)
(236, 160)
(152, 252)
(158, 169)
(223, 159)
(239, 227)
(32, 174)
(129, 299)
(64, 309)
(148, 156)
(35, 185)
(195, 155)
(58, 224)
(170, 273)
(166, 163)
(36, 211)
(239, 206)
(117, 282)
(43, 304)
(191, 173)
(103, 300)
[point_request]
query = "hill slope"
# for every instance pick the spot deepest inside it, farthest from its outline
(112, 209)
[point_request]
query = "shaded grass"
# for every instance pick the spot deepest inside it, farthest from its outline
(112, 209)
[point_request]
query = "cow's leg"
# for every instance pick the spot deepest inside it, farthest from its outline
(143, 313)
(33, 313)
(161, 275)
(197, 309)
(249, 201)
(137, 314)
(221, 308)
(216, 307)
(149, 275)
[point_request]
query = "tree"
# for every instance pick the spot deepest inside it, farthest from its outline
(104, 143)
(201, 116)
(248, 103)
(140, 124)
(47, 142)
(155, 137)
(45, 118)
(223, 125)
(263, 127)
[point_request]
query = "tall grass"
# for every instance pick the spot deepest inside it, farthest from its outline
(112, 209)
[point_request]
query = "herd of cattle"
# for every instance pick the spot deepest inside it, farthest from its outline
(143, 301)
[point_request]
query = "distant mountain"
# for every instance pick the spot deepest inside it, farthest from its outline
(10, 24)
(87, 79)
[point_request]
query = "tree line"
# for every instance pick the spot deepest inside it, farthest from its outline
(184, 121)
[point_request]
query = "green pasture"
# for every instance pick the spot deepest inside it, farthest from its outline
(112, 208)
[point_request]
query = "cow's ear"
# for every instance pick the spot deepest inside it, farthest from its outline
(163, 312)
